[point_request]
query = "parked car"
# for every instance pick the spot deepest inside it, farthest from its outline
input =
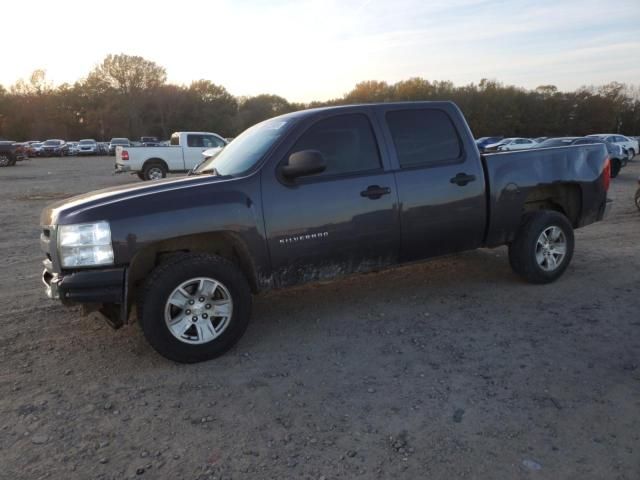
(54, 148)
(7, 153)
(149, 141)
(118, 142)
(482, 142)
(617, 156)
(72, 148)
(540, 139)
(637, 198)
(21, 151)
(556, 142)
(510, 144)
(103, 148)
(184, 153)
(35, 149)
(87, 146)
(308, 196)
(627, 143)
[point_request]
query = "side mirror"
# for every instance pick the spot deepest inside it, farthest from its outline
(305, 162)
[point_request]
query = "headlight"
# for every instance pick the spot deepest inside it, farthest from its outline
(85, 245)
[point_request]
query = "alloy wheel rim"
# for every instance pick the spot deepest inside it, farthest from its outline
(4, 160)
(198, 311)
(155, 173)
(551, 248)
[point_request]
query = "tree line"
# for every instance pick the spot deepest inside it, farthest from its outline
(129, 96)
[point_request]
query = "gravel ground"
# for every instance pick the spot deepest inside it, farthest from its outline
(448, 369)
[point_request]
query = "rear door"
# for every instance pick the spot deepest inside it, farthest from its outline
(440, 180)
(342, 220)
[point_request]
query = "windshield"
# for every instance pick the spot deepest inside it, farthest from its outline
(50, 143)
(120, 141)
(87, 142)
(247, 149)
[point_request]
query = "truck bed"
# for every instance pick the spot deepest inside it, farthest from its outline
(512, 176)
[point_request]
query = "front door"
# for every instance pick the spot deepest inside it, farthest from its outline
(342, 220)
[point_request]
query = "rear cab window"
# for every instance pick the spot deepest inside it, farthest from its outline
(424, 137)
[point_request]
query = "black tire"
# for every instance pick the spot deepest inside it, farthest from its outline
(632, 153)
(171, 274)
(140, 175)
(151, 168)
(637, 198)
(616, 166)
(522, 251)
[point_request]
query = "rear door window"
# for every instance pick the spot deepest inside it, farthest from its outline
(424, 137)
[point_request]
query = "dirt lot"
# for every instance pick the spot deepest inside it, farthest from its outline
(450, 369)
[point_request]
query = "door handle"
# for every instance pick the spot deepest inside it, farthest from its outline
(462, 179)
(375, 191)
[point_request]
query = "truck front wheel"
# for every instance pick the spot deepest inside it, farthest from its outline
(543, 246)
(195, 307)
(154, 171)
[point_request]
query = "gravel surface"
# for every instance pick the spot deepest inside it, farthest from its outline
(449, 369)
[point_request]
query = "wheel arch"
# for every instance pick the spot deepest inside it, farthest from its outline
(223, 243)
(565, 198)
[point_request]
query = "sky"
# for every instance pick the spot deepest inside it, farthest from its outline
(308, 50)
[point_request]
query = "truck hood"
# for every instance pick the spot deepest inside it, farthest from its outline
(58, 212)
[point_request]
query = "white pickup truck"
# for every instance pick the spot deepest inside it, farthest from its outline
(182, 154)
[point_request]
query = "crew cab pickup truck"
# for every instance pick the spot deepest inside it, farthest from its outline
(312, 195)
(153, 163)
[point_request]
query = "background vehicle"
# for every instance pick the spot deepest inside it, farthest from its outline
(54, 148)
(540, 139)
(556, 142)
(308, 196)
(482, 142)
(118, 142)
(88, 146)
(72, 148)
(617, 155)
(149, 141)
(21, 151)
(627, 143)
(509, 144)
(35, 149)
(103, 148)
(184, 153)
(7, 153)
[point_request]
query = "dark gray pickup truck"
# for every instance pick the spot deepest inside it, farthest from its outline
(307, 196)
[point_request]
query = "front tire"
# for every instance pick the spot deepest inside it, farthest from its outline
(195, 307)
(543, 247)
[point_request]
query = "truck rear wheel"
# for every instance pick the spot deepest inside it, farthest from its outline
(543, 246)
(195, 307)
(154, 171)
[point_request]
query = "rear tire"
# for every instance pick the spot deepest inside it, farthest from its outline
(543, 247)
(154, 171)
(218, 292)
